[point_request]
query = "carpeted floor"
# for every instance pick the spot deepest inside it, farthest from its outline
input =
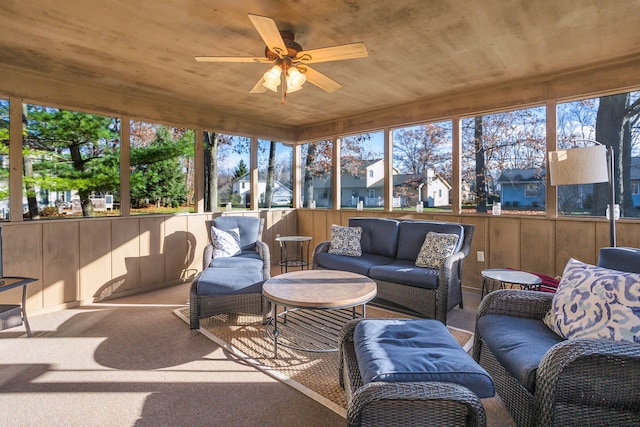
(313, 373)
(132, 362)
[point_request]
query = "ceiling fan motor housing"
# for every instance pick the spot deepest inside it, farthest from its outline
(292, 47)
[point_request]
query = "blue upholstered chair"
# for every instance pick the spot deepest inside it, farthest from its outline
(232, 284)
(545, 380)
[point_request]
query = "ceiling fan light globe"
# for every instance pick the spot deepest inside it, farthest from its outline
(291, 89)
(273, 88)
(273, 76)
(295, 79)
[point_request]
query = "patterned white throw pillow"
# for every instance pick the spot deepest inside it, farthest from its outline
(345, 240)
(436, 247)
(225, 243)
(596, 302)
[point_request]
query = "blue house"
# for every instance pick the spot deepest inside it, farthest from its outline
(522, 187)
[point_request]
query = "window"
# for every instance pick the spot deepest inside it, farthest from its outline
(275, 174)
(4, 160)
(71, 164)
(531, 190)
(226, 170)
(635, 187)
(362, 169)
(422, 167)
(161, 168)
(503, 159)
(613, 121)
(317, 167)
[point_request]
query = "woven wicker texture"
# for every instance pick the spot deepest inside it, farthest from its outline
(316, 371)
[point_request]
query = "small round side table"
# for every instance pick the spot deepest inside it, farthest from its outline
(295, 256)
(503, 277)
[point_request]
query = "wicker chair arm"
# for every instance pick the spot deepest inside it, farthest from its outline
(447, 277)
(395, 402)
(320, 247)
(207, 256)
(517, 303)
(263, 250)
(591, 374)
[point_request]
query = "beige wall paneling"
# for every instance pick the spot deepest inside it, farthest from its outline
(471, 267)
(61, 261)
(151, 246)
(125, 257)
(536, 243)
(22, 256)
(273, 221)
(574, 239)
(197, 228)
(504, 242)
(306, 219)
(178, 249)
(628, 234)
(95, 258)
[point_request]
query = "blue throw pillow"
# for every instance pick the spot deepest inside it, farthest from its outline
(596, 302)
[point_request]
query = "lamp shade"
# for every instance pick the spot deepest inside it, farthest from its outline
(585, 165)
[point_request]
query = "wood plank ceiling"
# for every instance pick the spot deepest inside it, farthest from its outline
(418, 49)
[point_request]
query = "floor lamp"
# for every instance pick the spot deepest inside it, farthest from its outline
(586, 165)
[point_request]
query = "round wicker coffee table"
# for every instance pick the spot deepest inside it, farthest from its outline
(316, 304)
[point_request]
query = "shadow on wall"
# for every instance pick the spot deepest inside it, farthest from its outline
(171, 266)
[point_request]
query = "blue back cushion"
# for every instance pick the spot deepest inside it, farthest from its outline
(621, 259)
(379, 235)
(412, 234)
(249, 229)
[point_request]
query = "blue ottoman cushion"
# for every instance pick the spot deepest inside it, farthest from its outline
(410, 350)
(229, 281)
(518, 344)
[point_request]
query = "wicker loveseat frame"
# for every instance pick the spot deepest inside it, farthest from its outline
(402, 403)
(593, 382)
(425, 301)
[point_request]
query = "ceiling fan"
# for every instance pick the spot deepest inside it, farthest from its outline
(290, 62)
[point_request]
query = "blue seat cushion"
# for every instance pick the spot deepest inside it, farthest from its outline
(410, 350)
(247, 259)
(518, 344)
(229, 281)
(379, 235)
(411, 235)
(406, 273)
(354, 264)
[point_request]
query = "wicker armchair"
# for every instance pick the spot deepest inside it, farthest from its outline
(403, 403)
(593, 382)
(249, 301)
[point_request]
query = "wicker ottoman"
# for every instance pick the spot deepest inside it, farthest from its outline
(10, 316)
(406, 394)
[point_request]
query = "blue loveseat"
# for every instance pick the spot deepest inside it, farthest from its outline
(545, 380)
(389, 251)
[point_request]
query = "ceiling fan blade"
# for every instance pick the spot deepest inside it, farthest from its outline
(270, 34)
(333, 53)
(259, 88)
(319, 79)
(231, 59)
